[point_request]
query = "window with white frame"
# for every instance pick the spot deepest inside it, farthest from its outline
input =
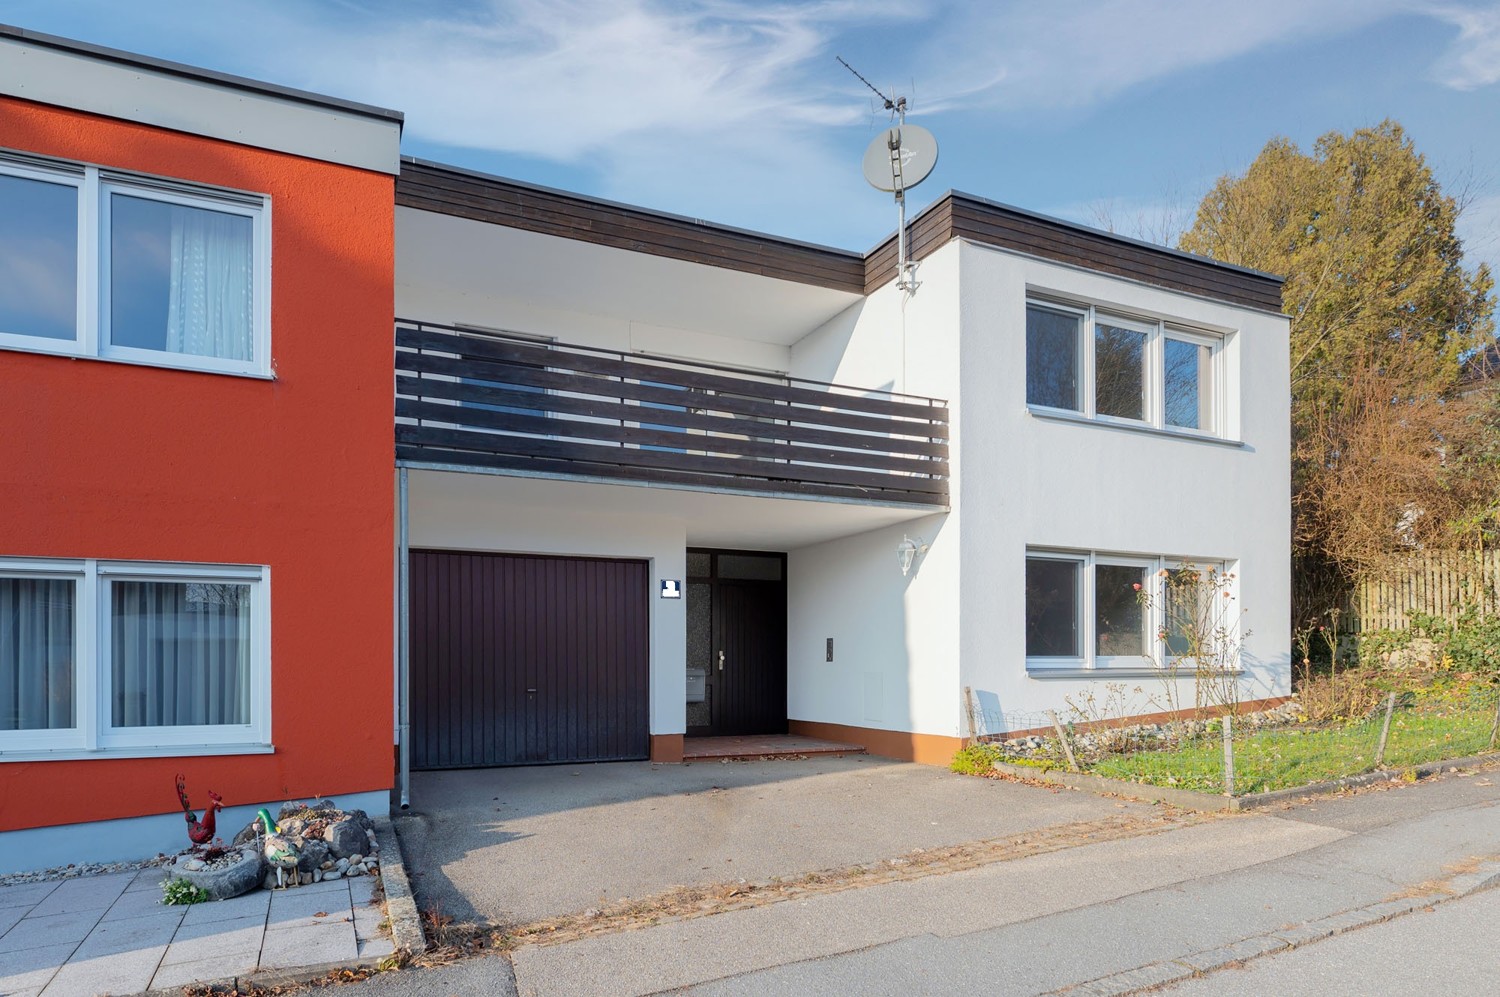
(1119, 369)
(1095, 610)
(106, 264)
(133, 656)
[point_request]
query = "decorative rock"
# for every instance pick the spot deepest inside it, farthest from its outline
(327, 864)
(344, 837)
(356, 858)
(239, 874)
(317, 875)
(306, 878)
(270, 881)
(312, 854)
(341, 864)
(332, 874)
(355, 870)
(250, 832)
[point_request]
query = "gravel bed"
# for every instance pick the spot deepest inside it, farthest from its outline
(79, 870)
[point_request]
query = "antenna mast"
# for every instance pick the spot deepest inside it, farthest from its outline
(902, 158)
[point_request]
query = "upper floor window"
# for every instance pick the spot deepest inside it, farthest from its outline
(98, 263)
(1119, 369)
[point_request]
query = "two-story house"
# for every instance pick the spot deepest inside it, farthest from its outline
(196, 279)
(665, 478)
(316, 453)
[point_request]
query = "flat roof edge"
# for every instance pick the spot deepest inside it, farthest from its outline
(1102, 234)
(602, 202)
(197, 73)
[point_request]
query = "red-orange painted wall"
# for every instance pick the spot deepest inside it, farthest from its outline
(110, 460)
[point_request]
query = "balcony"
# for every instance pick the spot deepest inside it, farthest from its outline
(508, 404)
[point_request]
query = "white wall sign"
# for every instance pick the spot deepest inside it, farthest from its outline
(671, 588)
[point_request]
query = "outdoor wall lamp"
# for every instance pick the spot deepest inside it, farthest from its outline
(907, 551)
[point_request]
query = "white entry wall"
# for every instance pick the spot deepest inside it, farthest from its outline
(895, 656)
(485, 512)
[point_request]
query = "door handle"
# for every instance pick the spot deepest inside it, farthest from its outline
(721, 661)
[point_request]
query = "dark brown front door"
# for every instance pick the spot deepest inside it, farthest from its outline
(737, 637)
(519, 659)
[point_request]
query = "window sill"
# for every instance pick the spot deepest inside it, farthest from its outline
(155, 751)
(168, 364)
(1061, 415)
(1143, 672)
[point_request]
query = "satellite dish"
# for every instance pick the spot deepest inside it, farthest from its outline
(900, 157)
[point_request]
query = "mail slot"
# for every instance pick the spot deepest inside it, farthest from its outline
(697, 685)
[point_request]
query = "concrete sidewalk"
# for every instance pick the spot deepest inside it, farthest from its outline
(111, 934)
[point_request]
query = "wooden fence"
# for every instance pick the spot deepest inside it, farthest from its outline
(1435, 584)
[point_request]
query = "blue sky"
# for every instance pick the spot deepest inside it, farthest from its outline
(1115, 112)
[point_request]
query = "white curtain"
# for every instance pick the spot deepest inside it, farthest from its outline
(209, 311)
(181, 654)
(36, 653)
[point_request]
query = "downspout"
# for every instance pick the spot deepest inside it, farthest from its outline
(403, 641)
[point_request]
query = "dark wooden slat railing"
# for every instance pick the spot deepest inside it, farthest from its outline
(486, 400)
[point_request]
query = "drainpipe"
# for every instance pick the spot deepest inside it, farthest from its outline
(403, 641)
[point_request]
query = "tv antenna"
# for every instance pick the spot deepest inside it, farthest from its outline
(899, 159)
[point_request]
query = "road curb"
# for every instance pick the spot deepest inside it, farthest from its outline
(1214, 803)
(400, 904)
(1165, 971)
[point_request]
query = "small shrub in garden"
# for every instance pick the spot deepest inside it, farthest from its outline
(180, 891)
(974, 759)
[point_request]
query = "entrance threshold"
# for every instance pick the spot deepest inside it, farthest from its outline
(695, 749)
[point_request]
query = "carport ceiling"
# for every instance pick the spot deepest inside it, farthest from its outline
(711, 519)
(470, 257)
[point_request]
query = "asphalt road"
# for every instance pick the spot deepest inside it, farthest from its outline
(1450, 950)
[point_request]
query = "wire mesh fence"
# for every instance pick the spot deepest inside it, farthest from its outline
(1251, 753)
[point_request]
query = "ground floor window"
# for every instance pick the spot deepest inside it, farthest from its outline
(112, 655)
(1101, 610)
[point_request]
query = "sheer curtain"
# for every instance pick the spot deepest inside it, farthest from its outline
(209, 308)
(36, 653)
(180, 654)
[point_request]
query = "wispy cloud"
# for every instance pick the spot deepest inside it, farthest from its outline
(1473, 60)
(729, 108)
(565, 79)
(1047, 56)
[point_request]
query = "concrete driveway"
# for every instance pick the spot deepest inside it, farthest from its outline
(510, 846)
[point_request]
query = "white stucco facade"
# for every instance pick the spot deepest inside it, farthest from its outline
(908, 649)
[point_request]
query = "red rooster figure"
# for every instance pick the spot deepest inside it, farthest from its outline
(199, 832)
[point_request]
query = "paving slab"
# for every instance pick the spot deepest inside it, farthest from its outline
(254, 903)
(50, 929)
(94, 893)
(129, 934)
(32, 966)
(147, 879)
(309, 945)
(26, 895)
(140, 903)
(206, 940)
(225, 966)
(112, 934)
(126, 972)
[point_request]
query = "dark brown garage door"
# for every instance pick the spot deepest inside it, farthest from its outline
(522, 660)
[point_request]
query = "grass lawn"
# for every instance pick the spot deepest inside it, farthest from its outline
(1280, 759)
